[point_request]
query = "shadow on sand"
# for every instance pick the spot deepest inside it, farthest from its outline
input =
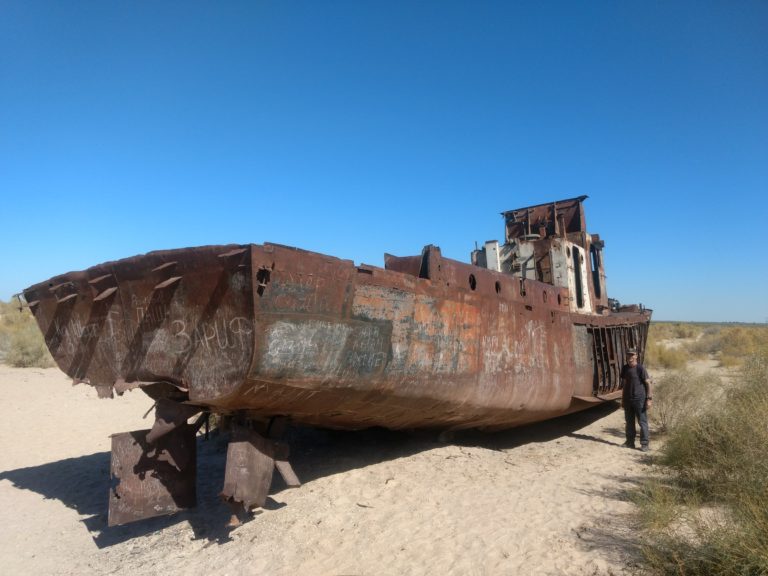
(83, 483)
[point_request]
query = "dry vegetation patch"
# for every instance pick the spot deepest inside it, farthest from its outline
(21, 343)
(682, 395)
(705, 508)
(672, 345)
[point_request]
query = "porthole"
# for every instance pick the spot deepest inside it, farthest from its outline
(498, 287)
(472, 281)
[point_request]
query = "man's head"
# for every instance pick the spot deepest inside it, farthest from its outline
(632, 357)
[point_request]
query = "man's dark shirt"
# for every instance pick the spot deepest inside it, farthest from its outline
(634, 378)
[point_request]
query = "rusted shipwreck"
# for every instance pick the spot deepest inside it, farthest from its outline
(265, 334)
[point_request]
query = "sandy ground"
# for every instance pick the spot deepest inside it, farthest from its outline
(545, 499)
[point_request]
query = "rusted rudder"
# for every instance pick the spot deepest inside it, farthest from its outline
(251, 461)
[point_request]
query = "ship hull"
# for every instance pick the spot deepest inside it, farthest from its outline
(268, 330)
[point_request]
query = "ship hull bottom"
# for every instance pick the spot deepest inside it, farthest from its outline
(351, 409)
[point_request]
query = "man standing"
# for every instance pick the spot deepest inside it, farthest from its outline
(636, 399)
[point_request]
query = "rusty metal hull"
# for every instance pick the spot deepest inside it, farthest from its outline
(269, 334)
(269, 330)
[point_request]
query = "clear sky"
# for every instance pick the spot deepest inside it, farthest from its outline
(356, 128)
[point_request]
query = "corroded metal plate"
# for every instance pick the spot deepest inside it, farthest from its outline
(250, 465)
(151, 480)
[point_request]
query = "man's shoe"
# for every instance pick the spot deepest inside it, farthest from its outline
(628, 445)
(644, 448)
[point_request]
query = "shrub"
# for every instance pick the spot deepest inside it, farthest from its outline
(686, 331)
(660, 331)
(730, 344)
(738, 343)
(706, 345)
(660, 356)
(674, 330)
(717, 457)
(27, 348)
(682, 395)
(21, 343)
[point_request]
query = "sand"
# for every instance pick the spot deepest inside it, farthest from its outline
(544, 499)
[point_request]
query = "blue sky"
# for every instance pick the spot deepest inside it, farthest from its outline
(358, 128)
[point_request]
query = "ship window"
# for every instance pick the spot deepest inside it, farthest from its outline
(472, 281)
(544, 295)
(498, 287)
(559, 300)
(522, 287)
(595, 270)
(578, 283)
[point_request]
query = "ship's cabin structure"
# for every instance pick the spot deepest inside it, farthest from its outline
(550, 243)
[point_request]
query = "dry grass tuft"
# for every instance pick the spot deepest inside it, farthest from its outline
(658, 355)
(21, 343)
(682, 395)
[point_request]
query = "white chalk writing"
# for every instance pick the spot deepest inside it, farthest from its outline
(219, 333)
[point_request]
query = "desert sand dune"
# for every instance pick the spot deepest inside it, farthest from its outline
(545, 499)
